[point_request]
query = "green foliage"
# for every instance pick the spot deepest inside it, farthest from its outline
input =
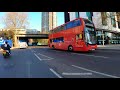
(43, 41)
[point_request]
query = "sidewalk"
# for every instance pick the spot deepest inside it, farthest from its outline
(115, 47)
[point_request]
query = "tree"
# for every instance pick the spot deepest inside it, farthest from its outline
(7, 34)
(15, 20)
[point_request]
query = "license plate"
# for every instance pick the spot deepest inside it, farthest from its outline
(92, 49)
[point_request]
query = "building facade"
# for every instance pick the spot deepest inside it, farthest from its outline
(106, 24)
(49, 21)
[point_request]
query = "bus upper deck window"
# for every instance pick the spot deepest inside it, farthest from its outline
(76, 23)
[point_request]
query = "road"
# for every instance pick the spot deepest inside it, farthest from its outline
(43, 62)
(24, 64)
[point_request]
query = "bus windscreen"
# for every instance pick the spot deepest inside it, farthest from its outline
(90, 35)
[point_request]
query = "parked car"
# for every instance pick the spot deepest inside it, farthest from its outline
(34, 43)
(29, 44)
(23, 45)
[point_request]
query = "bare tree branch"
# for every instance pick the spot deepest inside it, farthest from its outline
(16, 20)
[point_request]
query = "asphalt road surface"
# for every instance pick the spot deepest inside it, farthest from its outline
(43, 62)
(24, 64)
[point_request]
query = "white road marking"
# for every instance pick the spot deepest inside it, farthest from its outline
(96, 72)
(45, 56)
(32, 50)
(55, 73)
(38, 57)
(76, 73)
(45, 59)
(91, 55)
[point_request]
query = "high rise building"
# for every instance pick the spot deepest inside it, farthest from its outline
(49, 21)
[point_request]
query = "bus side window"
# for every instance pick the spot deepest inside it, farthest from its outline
(61, 39)
(54, 40)
(79, 36)
(69, 25)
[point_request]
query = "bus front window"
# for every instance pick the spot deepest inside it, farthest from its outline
(90, 35)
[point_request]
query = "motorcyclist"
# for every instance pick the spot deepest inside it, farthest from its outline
(6, 46)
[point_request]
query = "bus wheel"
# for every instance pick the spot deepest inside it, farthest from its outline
(70, 48)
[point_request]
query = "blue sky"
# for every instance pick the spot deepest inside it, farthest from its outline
(35, 19)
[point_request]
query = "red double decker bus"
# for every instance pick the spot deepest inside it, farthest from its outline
(76, 35)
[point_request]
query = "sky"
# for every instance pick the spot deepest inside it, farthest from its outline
(35, 19)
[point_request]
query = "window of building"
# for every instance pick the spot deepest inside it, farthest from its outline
(77, 14)
(118, 18)
(113, 21)
(104, 18)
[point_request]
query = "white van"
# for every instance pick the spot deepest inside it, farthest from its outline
(23, 45)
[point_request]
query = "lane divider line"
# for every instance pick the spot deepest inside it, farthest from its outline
(104, 74)
(38, 57)
(55, 73)
(45, 56)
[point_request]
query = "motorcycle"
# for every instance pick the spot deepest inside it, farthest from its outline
(6, 53)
